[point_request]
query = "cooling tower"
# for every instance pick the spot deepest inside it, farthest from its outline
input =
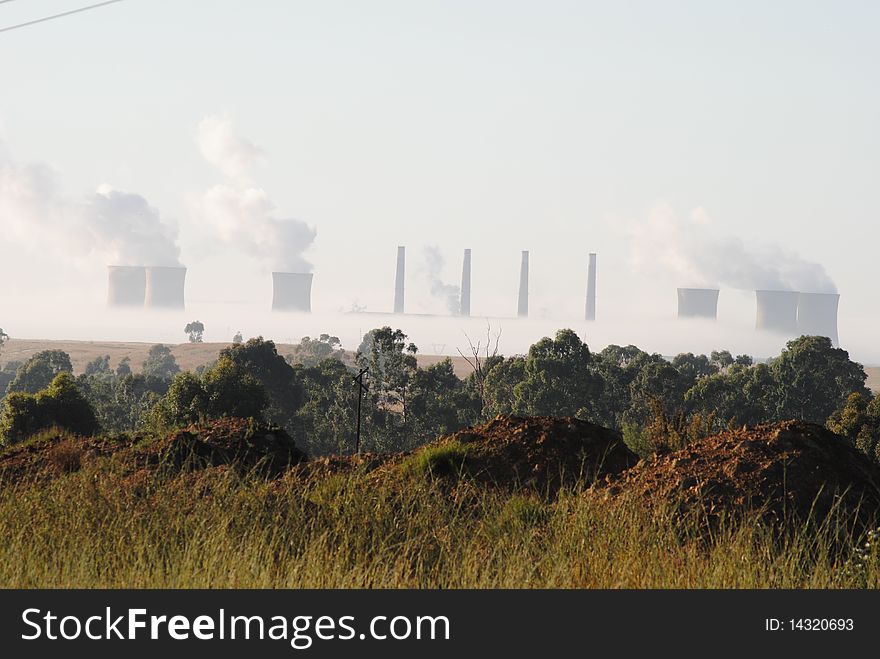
(126, 286)
(398, 282)
(590, 312)
(698, 303)
(292, 291)
(777, 311)
(817, 315)
(523, 306)
(465, 303)
(165, 288)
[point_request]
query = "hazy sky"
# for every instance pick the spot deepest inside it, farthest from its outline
(622, 128)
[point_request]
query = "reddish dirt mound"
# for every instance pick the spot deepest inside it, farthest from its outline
(243, 444)
(539, 453)
(55, 454)
(786, 469)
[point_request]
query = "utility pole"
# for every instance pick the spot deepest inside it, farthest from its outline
(362, 389)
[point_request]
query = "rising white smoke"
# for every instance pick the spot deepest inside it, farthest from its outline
(242, 214)
(111, 226)
(449, 293)
(690, 248)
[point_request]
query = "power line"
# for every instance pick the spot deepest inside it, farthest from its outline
(53, 17)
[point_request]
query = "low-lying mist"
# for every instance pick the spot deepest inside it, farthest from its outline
(441, 335)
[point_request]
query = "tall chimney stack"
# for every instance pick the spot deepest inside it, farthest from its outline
(292, 291)
(590, 313)
(777, 311)
(698, 303)
(126, 286)
(523, 306)
(399, 281)
(817, 315)
(165, 288)
(465, 303)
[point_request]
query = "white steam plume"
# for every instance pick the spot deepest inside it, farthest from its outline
(242, 214)
(663, 240)
(120, 228)
(449, 293)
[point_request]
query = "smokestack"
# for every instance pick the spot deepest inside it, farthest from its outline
(165, 288)
(398, 283)
(590, 313)
(465, 302)
(777, 311)
(126, 286)
(292, 291)
(698, 303)
(523, 307)
(817, 315)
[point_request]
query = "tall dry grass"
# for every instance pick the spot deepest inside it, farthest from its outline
(98, 528)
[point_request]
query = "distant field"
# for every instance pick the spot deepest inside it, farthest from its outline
(873, 377)
(188, 355)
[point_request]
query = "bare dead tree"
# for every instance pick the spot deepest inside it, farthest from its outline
(481, 359)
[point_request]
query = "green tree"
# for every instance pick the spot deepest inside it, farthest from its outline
(617, 367)
(195, 330)
(260, 359)
(743, 395)
(237, 339)
(326, 421)
(815, 379)
(59, 405)
(657, 389)
(859, 421)
(311, 352)
(694, 367)
(39, 371)
(7, 375)
(440, 402)
(4, 337)
(559, 379)
(224, 390)
(124, 367)
(500, 383)
(160, 363)
(232, 391)
(392, 366)
(99, 366)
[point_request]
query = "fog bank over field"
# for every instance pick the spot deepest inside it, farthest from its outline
(442, 335)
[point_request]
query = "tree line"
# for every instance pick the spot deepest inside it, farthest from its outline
(653, 400)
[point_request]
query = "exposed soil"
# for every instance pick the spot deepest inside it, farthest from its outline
(57, 454)
(242, 444)
(541, 454)
(785, 470)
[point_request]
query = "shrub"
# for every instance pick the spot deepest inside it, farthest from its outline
(438, 460)
(59, 405)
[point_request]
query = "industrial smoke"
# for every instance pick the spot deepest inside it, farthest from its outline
(107, 226)
(241, 214)
(700, 258)
(450, 294)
